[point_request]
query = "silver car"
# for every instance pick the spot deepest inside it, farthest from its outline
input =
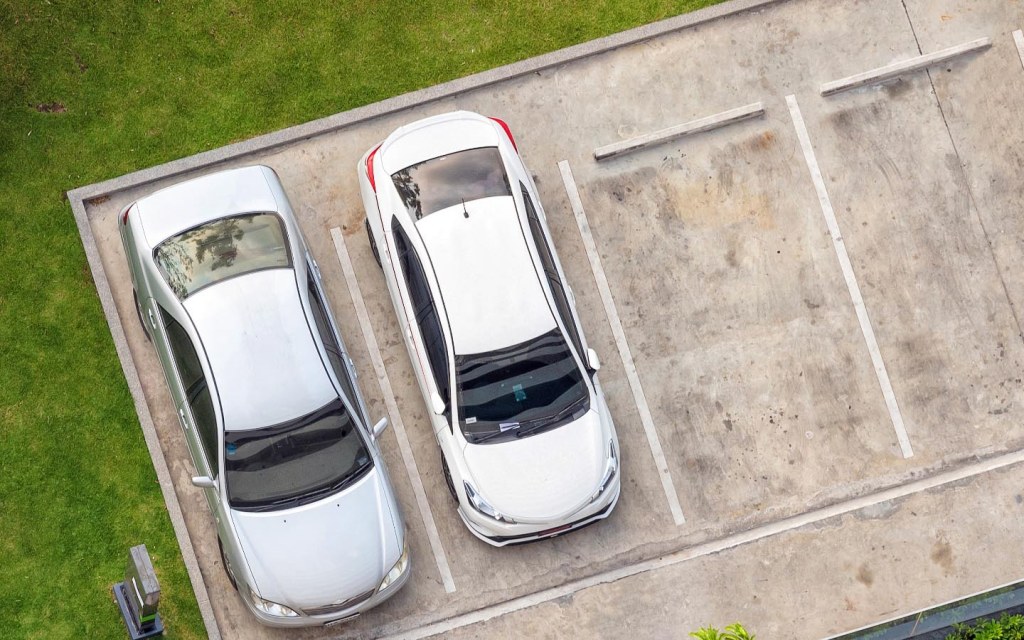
(225, 287)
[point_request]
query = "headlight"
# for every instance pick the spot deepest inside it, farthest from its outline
(481, 505)
(271, 608)
(610, 468)
(397, 570)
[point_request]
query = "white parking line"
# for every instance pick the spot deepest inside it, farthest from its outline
(711, 547)
(396, 417)
(850, 277)
(1018, 39)
(620, 342)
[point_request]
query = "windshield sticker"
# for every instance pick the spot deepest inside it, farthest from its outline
(517, 389)
(471, 420)
(231, 448)
(505, 426)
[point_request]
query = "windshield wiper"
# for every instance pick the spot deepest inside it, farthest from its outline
(545, 421)
(484, 437)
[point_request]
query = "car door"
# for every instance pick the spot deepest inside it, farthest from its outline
(563, 298)
(339, 360)
(193, 402)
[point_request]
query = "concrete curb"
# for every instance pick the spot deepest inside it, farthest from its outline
(131, 375)
(79, 197)
(416, 98)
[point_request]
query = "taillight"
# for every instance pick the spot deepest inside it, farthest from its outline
(124, 216)
(507, 132)
(369, 167)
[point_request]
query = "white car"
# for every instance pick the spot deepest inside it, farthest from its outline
(226, 290)
(528, 446)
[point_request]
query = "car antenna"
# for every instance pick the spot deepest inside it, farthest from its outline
(465, 212)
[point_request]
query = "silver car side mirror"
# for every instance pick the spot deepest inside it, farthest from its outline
(378, 429)
(592, 360)
(437, 405)
(204, 482)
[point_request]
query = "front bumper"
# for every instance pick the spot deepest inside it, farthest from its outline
(303, 620)
(500, 534)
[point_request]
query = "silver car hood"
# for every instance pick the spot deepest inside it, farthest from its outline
(543, 477)
(324, 552)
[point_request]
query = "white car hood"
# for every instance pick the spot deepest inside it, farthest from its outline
(321, 553)
(542, 477)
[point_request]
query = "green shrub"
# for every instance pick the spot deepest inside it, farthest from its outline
(734, 631)
(1005, 628)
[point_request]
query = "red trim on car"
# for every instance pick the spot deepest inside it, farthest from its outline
(369, 167)
(508, 132)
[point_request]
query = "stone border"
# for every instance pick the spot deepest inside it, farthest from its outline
(131, 375)
(78, 198)
(417, 98)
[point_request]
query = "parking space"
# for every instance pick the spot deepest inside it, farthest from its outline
(757, 376)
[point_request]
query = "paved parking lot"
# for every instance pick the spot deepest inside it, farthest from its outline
(748, 383)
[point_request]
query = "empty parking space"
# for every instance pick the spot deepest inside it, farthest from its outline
(941, 313)
(745, 382)
(739, 319)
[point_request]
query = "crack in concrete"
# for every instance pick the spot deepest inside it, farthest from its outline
(967, 181)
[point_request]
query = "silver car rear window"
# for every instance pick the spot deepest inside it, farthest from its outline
(221, 249)
(449, 180)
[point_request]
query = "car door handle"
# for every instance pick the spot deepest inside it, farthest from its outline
(181, 416)
(152, 320)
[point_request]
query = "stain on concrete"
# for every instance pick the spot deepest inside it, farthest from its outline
(942, 555)
(865, 576)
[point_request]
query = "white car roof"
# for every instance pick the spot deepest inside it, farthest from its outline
(193, 202)
(491, 291)
(262, 355)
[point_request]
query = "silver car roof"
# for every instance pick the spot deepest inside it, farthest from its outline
(260, 349)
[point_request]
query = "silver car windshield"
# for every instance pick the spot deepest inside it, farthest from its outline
(446, 181)
(221, 249)
(520, 390)
(296, 462)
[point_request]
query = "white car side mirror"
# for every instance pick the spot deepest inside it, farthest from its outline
(204, 482)
(592, 360)
(437, 405)
(378, 429)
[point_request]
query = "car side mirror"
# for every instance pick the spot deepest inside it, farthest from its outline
(204, 482)
(378, 429)
(592, 360)
(437, 404)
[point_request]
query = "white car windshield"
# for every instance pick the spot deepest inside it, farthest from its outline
(221, 249)
(520, 390)
(296, 462)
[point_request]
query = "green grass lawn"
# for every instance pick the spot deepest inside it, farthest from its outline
(93, 90)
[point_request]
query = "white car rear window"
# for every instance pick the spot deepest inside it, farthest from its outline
(449, 180)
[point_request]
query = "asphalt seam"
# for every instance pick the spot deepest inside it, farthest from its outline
(967, 184)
